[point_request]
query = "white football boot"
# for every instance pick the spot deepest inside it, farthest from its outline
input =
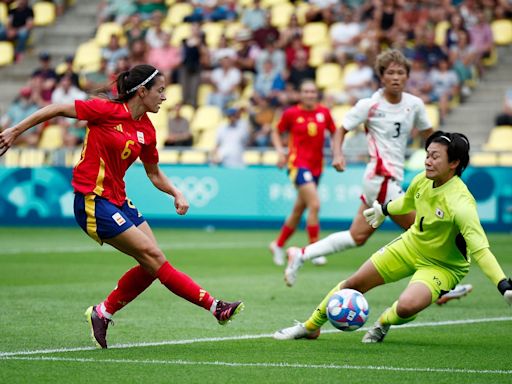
(298, 331)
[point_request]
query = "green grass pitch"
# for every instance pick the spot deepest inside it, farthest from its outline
(48, 277)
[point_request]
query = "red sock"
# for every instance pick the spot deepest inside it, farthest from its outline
(182, 285)
(131, 285)
(284, 235)
(313, 232)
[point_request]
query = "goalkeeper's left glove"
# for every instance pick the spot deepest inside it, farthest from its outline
(375, 215)
(505, 288)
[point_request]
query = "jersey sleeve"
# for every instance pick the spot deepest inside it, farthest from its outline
(405, 203)
(421, 121)
(91, 110)
(356, 115)
(467, 220)
(284, 123)
(489, 265)
(149, 153)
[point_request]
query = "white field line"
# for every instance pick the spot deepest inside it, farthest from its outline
(267, 365)
(106, 248)
(4, 355)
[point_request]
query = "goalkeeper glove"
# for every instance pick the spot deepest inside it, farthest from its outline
(505, 288)
(375, 215)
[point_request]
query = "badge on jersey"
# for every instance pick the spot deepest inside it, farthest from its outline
(118, 218)
(439, 213)
(320, 117)
(140, 137)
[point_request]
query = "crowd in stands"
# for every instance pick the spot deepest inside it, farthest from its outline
(252, 69)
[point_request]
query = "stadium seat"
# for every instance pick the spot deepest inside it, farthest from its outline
(433, 115)
(271, 3)
(269, 157)
(440, 32)
(207, 139)
(301, 9)
(338, 113)
(12, 158)
(492, 60)
(252, 157)
(484, 159)
(51, 137)
(206, 117)
(505, 159)
(44, 13)
(500, 139)
(177, 13)
(232, 28)
(328, 75)
(191, 156)
(202, 94)
(87, 57)
(160, 121)
(315, 33)
(3, 13)
(281, 13)
(106, 30)
(187, 111)
(6, 53)
(168, 156)
(318, 53)
(173, 94)
(73, 157)
(213, 33)
(30, 157)
(502, 31)
(180, 32)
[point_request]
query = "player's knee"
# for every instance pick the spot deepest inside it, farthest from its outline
(407, 307)
(314, 206)
(359, 238)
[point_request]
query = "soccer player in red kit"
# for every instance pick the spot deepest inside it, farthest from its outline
(119, 131)
(306, 124)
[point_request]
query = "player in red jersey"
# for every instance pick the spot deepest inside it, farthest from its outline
(119, 131)
(306, 124)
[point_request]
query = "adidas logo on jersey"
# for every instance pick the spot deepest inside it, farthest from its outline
(119, 127)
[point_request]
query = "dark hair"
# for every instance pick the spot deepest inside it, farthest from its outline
(128, 80)
(457, 147)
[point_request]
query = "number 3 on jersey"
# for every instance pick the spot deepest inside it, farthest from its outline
(397, 130)
(127, 151)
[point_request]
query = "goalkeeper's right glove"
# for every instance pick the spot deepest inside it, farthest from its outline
(375, 215)
(505, 288)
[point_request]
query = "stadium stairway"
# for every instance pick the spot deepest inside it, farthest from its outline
(60, 39)
(475, 117)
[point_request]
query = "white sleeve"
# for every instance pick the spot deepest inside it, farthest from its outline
(357, 114)
(421, 121)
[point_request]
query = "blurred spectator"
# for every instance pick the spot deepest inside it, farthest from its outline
(155, 35)
(505, 117)
(232, 138)
(300, 70)
(225, 48)
(254, 17)
(22, 107)
(463, 57)
(134, 29)
(289, 32)
(226, 80)
(247, 52)
(97, 81)
(67, 70)
(292, 48)
(419, 83)
(385, 13)
(273, 53)
(146, 7)
(211, 10)
(195, 55)
(428, 50)
(179, 134)
(166, 58)
(268, 85)
(20, 22)
(322, 10)
(481, 39)
(454, 30)
(138, 52)
(113, 51)
(267, 32)
(345, 37)
(445, 86)
(43, 80)
(115, 10)
(403, 46)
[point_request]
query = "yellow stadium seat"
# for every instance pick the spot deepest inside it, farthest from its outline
(318, 53)
(51, 137)
(44, 13)
(505, 159)
(12, 158)
(232, 28)
(207, 139)
(3, 13)
(213, 33)
(338, 113)
(169, 2)
(484, 159)
(206, 117)
(159, 119)
(301, 9)
(87, 57)
(30, 157)
(269, 157)
(173, 94)
(315, 33)
(168, 156)
(433, 115)
(440, 32)
(252, 157)
(180, 32)
(191, 156)
(502, 31)
(500, 139)
(73, 157)
(281, 13)
(6, 53)
(271, 3)
(203, 92)
(177, 13)
(106, 30)
(328, 75)
(492, 60)
(187, 111)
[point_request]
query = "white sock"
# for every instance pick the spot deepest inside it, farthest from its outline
(214, 306)
(104, 311)
(336, 242)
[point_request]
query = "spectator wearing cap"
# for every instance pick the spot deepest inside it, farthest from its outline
(232, 138)
(226, 80)
(247, 52)
(20, 23)
(22, 107)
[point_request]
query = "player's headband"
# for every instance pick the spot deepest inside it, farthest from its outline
(446, 138)
(144, 82)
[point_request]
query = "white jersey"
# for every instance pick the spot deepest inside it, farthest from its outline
(388, 127)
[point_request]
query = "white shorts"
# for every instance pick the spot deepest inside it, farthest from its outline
(380, 188)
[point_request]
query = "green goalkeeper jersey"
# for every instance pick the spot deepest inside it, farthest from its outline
(447, 228)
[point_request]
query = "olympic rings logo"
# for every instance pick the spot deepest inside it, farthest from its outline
(198, 191)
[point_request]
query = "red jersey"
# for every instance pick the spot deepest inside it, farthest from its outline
(307, 135)
(112, 143)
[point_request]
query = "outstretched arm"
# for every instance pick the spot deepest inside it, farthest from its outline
(489, 265)
(8, 136)
(163, 183)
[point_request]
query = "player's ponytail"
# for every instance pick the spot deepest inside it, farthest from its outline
(457, 147)
(128, 82)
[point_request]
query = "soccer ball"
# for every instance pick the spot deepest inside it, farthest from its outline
(347, 310)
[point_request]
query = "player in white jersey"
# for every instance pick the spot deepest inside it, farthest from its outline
(389, 116)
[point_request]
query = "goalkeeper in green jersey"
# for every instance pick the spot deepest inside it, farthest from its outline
(435, 251)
